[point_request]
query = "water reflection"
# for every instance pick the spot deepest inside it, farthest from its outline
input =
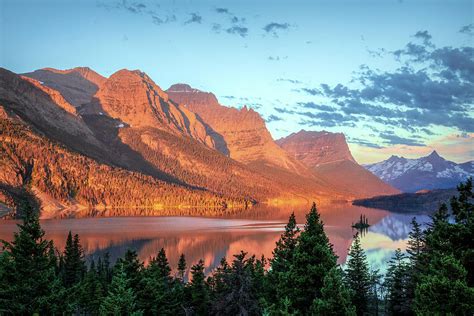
(254, 231)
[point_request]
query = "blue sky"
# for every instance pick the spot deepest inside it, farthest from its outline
(397, 77)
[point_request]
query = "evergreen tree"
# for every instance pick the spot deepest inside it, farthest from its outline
(73, 261)
(239, 297)
(198, 290)
(415, 250)
(133, 268)
(313, 258)
(30, 283)
(120, 299)
(181, 268)
(443, 290)
(358, 277)
(155, 293)
(375, 292)
(396, 284)
(335, 297)
(282, 261)
(91, 292)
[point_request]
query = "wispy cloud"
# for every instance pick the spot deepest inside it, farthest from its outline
(195, 18)
(238, 30)
(274, 28)
(467, 29)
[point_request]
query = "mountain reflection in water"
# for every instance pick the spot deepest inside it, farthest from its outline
(255, 232)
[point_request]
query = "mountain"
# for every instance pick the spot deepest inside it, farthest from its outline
(317, 148)
(330, 158)
(155, 153)
(77, 85)
(430, 172)
(245, 137)
(68, 183)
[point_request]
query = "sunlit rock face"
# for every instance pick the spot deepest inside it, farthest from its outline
(245, 136)
(330, 158)
(77, 85)
(315, 148)
(133, 98)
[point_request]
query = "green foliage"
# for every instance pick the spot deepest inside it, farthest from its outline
(198, 290)
(28, 284)
(335, 297)
(282, 261)
(435, 278)
(73, 265)
(396, 283)
(120, 299)
(313, 258)
(358, 276)
(238, 290)
(444, 290)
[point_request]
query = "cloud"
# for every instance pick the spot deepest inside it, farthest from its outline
(222, 10)
(363, 142)
(273, 118)
(311, 91)
(293, 81)
(312, 105)
(424, 36)
(390, 138)
(431, 90)
(195, 18)
(274, 28)
(284, 111)
(238, 30)
(139, 8)
(467, 29)
(277, 58)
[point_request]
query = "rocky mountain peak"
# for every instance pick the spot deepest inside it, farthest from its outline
(243, 131)
(316, 147)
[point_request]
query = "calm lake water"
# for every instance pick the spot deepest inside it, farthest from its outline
(254, 231)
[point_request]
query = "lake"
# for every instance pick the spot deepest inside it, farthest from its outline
(210, 239)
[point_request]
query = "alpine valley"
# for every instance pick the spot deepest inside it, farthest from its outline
(84, 144)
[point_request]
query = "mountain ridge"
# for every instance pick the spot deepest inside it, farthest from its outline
(427, 172)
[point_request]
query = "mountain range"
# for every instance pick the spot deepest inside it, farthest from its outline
(82, 141)
(425, 173)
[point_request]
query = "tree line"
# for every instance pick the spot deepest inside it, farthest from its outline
(29, 159)
(434, 277)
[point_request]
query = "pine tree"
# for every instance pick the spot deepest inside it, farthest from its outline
(443, 290)
(155, 293)
(239, 296)
(282, 261)
(313, 258)
(397, 285)
(335, 297)
(133, 268)
(31, 285)
(198, 290)
(415, 250)
(120, 299)
(357, 276)
(73, 261)
(91, 292)
(181, 268)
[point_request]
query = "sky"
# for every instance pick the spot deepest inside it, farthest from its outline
(395, 76)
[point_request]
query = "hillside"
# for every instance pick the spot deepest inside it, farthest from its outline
(30, 159)
(422, 202)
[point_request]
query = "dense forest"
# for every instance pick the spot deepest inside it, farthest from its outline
(434, 277)
(30, 160)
